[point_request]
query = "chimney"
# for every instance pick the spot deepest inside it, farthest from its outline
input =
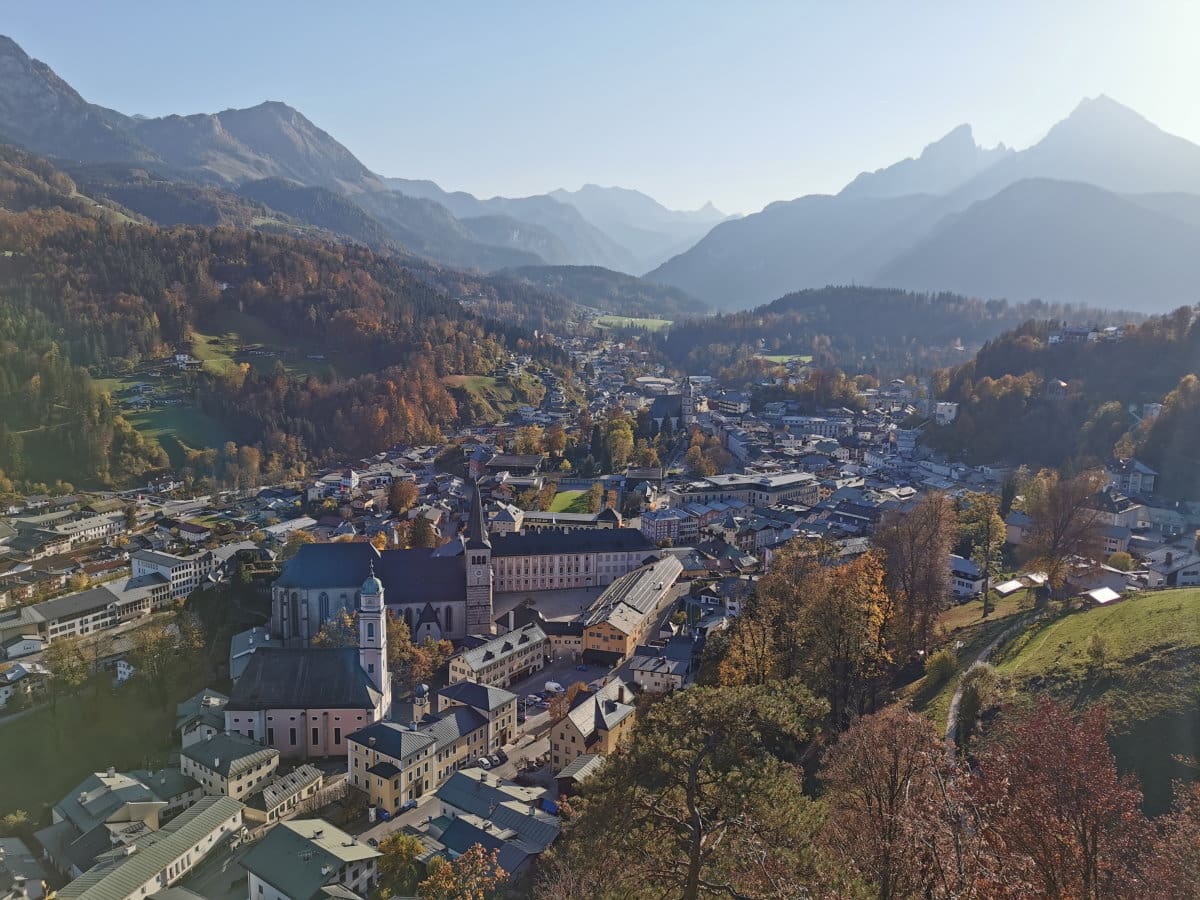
(112, 770)
(621, 694)
(217, 763)
(370, 742)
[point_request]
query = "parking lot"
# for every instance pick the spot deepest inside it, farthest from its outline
(557, 606)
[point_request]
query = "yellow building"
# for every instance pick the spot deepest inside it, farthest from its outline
(622, 617)
(598, 722)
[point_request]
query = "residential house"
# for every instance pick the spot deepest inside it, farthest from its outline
(21, 874)
(966, 578)
(283, 795)
(504, 659)
(200, 716)
(495, 704)
(306, 859)
(598, 722)
(229, 764)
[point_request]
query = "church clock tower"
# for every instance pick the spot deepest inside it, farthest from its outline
(478, 550)
(372, 639)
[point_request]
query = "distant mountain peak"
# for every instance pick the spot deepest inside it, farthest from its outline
(942, 166)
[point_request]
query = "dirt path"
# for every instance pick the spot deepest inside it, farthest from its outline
(980, 659)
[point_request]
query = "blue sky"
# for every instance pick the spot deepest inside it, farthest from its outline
(738, 103)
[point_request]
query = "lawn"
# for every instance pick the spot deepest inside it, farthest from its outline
(569, 502)
(1150, 680)
(44, 755)
(785, 358)
(178, 428)
(630, 322)
(962, 615)
(934, 700)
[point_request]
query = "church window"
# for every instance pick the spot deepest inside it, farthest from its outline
(370, 630)
(316, 736)
(323, 600)
(449, 618)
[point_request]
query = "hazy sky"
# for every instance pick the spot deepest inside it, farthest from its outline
(738, 103)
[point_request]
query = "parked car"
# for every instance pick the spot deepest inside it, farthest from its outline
(581, 668)
(483, 762)
(522, 718)
(384, 815)
(494, 759)
(533, 698)
(408, 804)
(502, 756)
(371, 842)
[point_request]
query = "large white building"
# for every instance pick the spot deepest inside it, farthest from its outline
(757, 490)
(184, 573)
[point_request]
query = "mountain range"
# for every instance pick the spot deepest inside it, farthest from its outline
(274, 155)
(1103, 210)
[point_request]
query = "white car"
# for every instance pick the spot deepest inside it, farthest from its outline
(483, 762)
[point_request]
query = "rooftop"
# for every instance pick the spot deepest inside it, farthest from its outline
(300, 857)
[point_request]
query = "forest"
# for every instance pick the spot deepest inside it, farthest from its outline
(883, 332)
(84, 293)
(1026, 400)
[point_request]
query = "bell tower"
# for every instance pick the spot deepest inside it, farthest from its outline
(478, 551)
(372, 638)
(687, 403)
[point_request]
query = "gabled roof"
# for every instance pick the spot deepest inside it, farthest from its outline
(320, 678)
(228, 754)
(504, 645)
(477, 696)
(392, 739)
(123, 875)
(299, 858)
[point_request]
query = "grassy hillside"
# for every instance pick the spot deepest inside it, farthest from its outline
(486, 398)
(1150, 679)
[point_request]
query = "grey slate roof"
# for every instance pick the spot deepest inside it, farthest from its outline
(285, 786)
(321, 678)
(477, 696)
(503, 645)
(457, 722)
(598, 540)
(392, 739)
(582, 766)
(419, 575)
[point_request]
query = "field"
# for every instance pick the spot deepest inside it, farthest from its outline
(217, 347)
(785, 358)
(179, 427)
(628, 322)
(569, 502)
(1149, 679)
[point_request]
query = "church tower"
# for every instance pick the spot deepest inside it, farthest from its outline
(372, 638)
(478, 550)
(687, 402)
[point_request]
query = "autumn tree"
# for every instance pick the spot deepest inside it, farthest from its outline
(561, 704)
(984, 533)
(898, 815)
(619, 442)
(707, 802)
(917, 543)
(1175, 862)
(67, 662)
(421, 533)
(402, 496)
(472, 876)
(1065, 524)
(1058, 817)
(399, 863)
(340, 631)
(294, 542)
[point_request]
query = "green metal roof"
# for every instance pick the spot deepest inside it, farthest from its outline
(292, 855)
(122, 876)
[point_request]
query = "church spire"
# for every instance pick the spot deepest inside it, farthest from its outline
(477, 536)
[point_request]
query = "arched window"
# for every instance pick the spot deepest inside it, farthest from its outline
(449, 618)
(370, 630)
(294, 614)
(323, 600)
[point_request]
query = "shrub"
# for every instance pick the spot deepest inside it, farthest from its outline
(940, 667)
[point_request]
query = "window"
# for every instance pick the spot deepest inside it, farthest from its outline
(292, 736)
(270, 735)
(316, 737)
(370, 630)
(337, 736)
